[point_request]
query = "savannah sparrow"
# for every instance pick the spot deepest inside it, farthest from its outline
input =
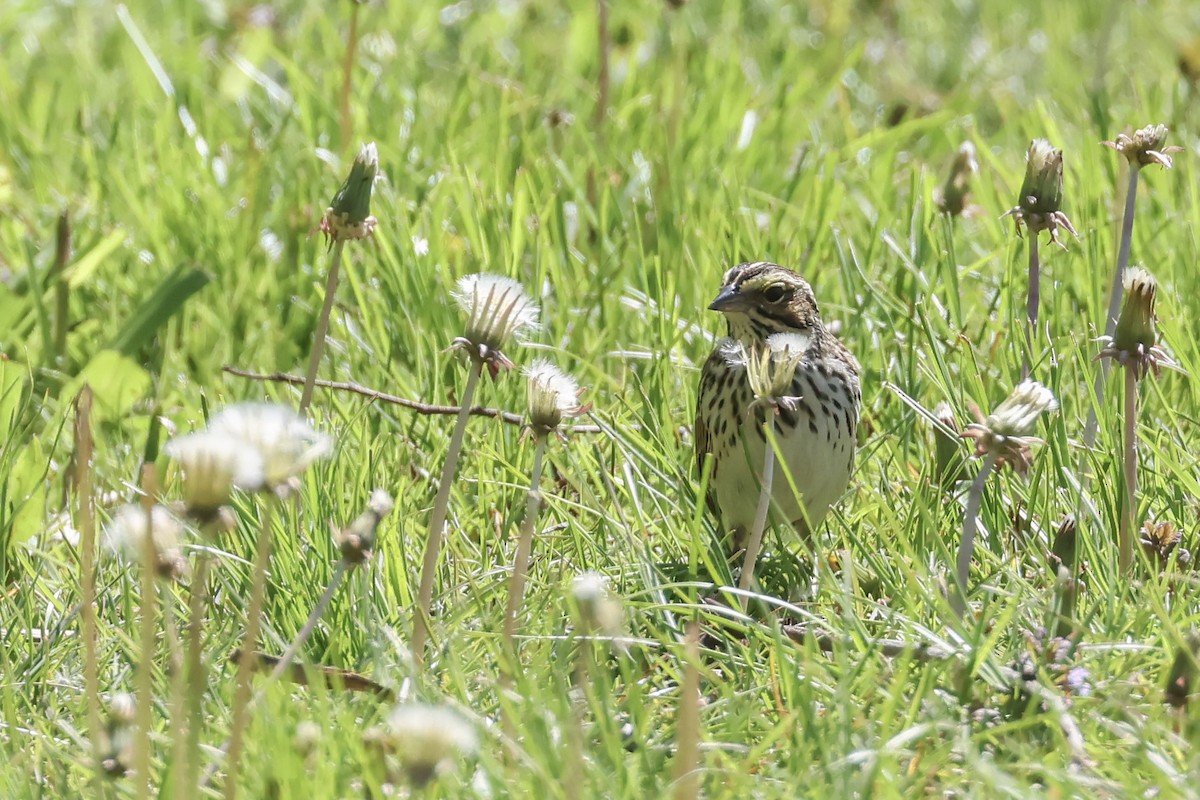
(816, 435)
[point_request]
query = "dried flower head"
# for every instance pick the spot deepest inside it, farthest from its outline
(427, 740)
(954, 196)
(357, 540)
(1159, 540)
(213, 465)
(1134, 343)
(1005, 433)
(771, 370)
(349, 214)
(1145, 147)
(497, 310)
(284, 440)
(1040, 203)
(552, 395)
(127, 531)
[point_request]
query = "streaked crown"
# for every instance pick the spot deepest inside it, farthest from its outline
(760, 298)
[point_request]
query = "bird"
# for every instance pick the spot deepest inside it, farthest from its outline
(817, 432)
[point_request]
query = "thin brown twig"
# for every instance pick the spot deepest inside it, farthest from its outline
(413, 405)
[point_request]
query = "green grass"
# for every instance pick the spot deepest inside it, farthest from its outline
(195, 146)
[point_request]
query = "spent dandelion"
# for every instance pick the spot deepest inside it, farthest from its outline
(1003, 437)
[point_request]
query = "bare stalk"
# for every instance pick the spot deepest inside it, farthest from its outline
(318, 349)
(437, 520)
(1129, 518)
(145, 667)
(85, 522)
(1092, 428)
(966, 547)
(241, 700)
(687, 726)
(520, 573)
(1035, 295)
(318, 611)
(188, 758)
(754, 545)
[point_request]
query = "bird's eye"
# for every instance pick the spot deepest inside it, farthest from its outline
(775, 294)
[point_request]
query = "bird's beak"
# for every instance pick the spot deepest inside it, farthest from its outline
(728, 300)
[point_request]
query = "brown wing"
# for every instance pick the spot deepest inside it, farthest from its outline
(700, 430)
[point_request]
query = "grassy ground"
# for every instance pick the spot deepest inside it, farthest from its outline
(195, 146)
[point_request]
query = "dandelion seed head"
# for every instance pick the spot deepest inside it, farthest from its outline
(213, 465)
(284, 440)
(497, 309)
(552, 394)
(427, 740)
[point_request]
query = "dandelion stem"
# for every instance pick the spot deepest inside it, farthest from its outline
(318, 348)
(145, 667)
(966, 548)
(85, 522)
(1035, 295)
(437, 520)
(687, 725)
(520, 573)
(189, 757)
(1092, 428)
(318, 611)
(1128, 519)
(242, 697)
(760, 512)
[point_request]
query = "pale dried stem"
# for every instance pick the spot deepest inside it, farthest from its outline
(1031, 311)
(1092, 428)
(754, 545)
(242, 697)
(1129, 518)
(966, 548)
(145, 667)
(85, 523)
(318, 348)
(687, 725)
(437, 519)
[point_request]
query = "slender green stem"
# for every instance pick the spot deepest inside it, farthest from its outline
(1129, 518)
(1035, 296)
(145, 667)
(318, 611)
(754, 545)
(241, 700)
(1092, 428)
(437, 520)
(966, 548)
(318, 349)
(520, 573)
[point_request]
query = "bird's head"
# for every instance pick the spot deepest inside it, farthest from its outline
(761, 298)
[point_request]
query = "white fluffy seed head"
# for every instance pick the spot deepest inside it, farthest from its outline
(427, 739)
(127, 531)
(1018, 414)
(552, 394)
(283, 439)
(213, 465)
(497, 309)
